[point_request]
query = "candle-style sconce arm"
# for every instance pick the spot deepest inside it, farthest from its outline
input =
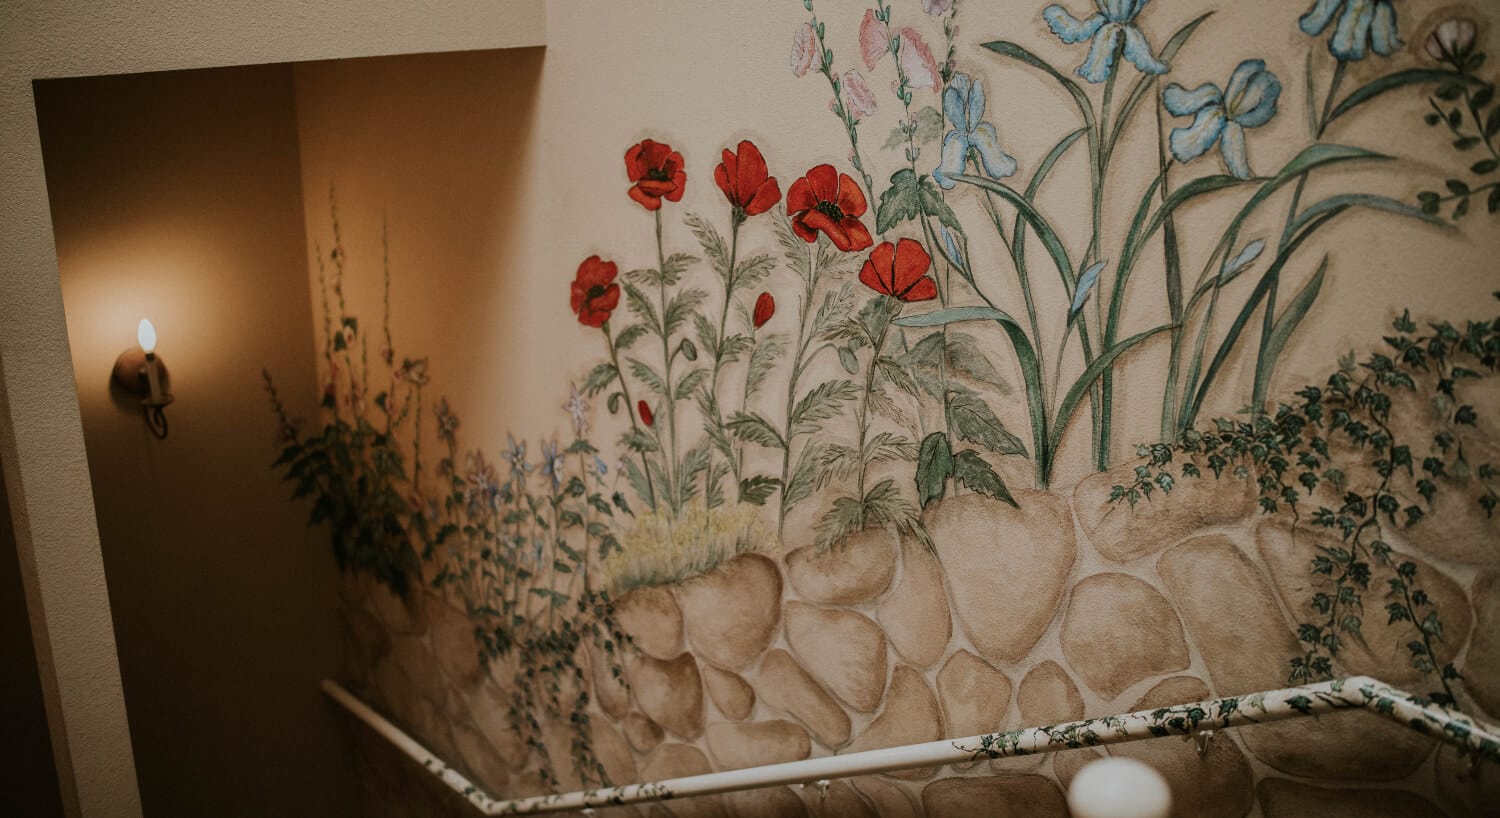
(143, 375)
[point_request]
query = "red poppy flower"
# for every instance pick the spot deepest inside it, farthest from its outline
(595, 295)
(899, 271)
(829, 201)
(645, 409)
(765, 307)
(656, 173)
(745, 181)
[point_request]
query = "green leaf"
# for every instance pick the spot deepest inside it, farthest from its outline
(848, 361)
(1338, 204)
(641, 306)
(690, 382)
(689, 349)
(1038, 222)
(1485, 166)
(824, 401)
(599, 378)
(934, 467)
(630, 335)
(930, 198)
(975, 422)
(1272, 346)
(975, 474)
(756, 490)
(1031, 370)
(1391, 82)
(645, 374)
(1494, 202)
(1086, 381)
(713, 243)
(752, 428)
(762, 360)
(900, 202)
(1016, 52)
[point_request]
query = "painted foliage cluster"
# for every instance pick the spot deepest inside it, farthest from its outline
(825, 369)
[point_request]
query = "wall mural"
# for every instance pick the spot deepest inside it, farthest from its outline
(828, 346)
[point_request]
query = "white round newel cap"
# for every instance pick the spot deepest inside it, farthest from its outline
(1119, 788)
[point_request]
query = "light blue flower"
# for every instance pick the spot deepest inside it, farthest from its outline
(1114, 21)
(599, 466)
(552, 463)
(515, 454)
(1362, 23)
(1221, 117)
(963, 102)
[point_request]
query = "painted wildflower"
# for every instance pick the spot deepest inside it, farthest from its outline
(963, 103)
(552, 464)
(484, 489)
(1221, 117)
(804, 46)
(1113, 22)
(515, 455)
(447, 422)
(1362, 24)
(578, 409)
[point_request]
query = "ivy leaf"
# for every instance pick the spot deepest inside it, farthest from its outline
(975, 474)
(974, 421)
(934, 467)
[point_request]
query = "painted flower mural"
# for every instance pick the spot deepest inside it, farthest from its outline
(1111, 31)
(595, 294)
(886, 353)
(1361, 25)
(828, 202)
(655, 172)
(1221, 117)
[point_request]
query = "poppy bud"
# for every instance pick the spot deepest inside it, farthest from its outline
(645, 410)
(765, 307)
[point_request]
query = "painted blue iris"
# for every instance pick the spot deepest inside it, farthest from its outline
(1221, 117)
(963, 103)
(1362, 23)
(1115, 21)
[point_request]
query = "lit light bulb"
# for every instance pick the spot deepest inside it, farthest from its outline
(146, 335)
(1119, 788)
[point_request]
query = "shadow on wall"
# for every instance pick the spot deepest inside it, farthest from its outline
(176, 196)
(27, 774)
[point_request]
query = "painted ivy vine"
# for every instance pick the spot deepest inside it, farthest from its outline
(1337, 448)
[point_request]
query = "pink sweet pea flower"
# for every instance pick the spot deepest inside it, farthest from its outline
(804, 46)
(874, 40)
(916, 61)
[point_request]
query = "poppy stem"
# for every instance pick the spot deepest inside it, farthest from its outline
(799, 362)
(671, 466)
(729, 288)
(614, 358)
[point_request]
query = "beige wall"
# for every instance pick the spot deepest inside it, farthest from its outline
(41, 437)
(176, 196)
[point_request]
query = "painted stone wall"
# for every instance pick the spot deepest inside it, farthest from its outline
(932, 369)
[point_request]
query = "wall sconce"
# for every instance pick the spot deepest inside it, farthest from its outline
(140, 372)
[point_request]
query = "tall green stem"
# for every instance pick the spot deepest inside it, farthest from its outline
(1263, 362)
(614, 358)
(670, 467)
(799, 362)
(736, 218)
